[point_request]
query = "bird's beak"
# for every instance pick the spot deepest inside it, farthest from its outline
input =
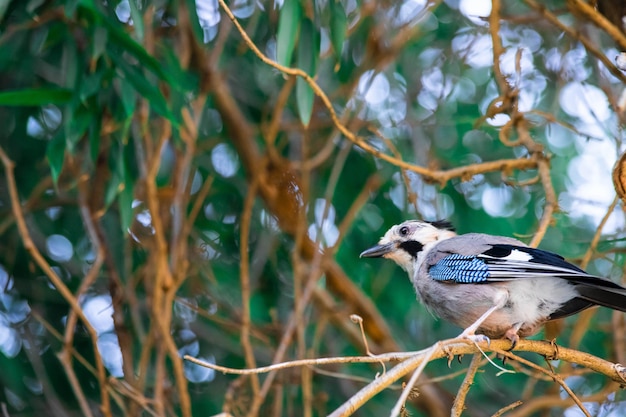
(378, 250)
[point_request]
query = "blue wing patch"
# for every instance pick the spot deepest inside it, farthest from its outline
(460, 269)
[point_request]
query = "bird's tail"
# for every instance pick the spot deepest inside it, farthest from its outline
(607, 296)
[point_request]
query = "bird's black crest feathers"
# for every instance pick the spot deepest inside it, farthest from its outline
(443, 224)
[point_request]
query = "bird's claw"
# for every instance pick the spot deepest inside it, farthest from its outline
(554, 356)
(449, 354)
(512, 335)
(476, 338)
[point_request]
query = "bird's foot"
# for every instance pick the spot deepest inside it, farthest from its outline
(554, 356)
(512, 335)
(476, 338)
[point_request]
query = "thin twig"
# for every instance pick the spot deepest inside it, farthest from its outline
(32, 249)
(574, 34)
(550, 205)
(598, 234)
(507, 408)
(441, 177)
(552, 374)
(86, 283)
(497, 49)
(244, 279)
(400, 403)
(443, 349)
(584, 318)
(459, 402)
(600, 21)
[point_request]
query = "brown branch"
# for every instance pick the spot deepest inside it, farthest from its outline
(87, 282)
(373, 183)
(459, 401)
(574, 34)
(551, 204)
(282, 205)
(507, 408)
(497, 48)
(58, 283)
(589, 12)
(557, 378)
(596, 236)
(182, 181)
(584, 318)
(455, 347)
(436, 176)
(400, 404)
(547, 402)
(244, 279)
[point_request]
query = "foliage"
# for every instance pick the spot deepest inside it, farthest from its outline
(179, 183)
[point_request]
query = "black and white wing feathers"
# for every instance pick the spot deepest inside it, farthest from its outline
(505, 262)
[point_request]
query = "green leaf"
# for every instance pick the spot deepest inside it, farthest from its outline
(76, 123)
(308, 53)
(69, 66)
(56, 154)
(90, 85)
(125, 202)
(70, 7)
(137, 17)
(121, 39)
(145, 88)
(4, 4)
(288, 28)
(33, 5)
(187, 80)
(338, 26)
(115, 184)
(94, 138)
(35, 97)
(99, 42)
(128, 96)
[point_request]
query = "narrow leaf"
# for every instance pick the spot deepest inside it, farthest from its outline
(4, 4)
(128, 95)
(69, 64)
(338, 27)
(125, 200)
(55, 153)
(121, 39)
(288, 28)
(137, 17)
(99, 42)
(145, 88)
(308, 52)
(94, 138)
(76, 125)
(35, 97)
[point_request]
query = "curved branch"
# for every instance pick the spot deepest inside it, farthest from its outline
(443, 349)
(441, 177)
(56, 280)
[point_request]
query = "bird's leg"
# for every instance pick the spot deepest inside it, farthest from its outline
(470, 332)
(512, 335)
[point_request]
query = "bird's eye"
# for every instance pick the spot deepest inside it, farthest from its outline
(404, 230)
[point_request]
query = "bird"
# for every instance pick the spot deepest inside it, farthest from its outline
(493, 287)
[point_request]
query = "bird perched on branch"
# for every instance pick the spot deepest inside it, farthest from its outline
(492, 286)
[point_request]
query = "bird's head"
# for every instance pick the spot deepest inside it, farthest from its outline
(404, 242)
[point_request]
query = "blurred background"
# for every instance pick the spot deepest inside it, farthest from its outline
(171, 187)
